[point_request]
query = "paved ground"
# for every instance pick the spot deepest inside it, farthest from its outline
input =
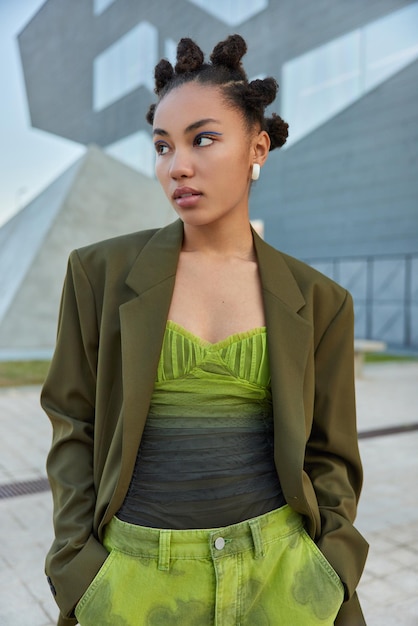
(387, 395)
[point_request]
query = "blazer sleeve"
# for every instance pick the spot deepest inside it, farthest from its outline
(68, 397)
(332, 454)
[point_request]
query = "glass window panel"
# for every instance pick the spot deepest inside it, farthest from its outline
(126, 65)
(360, 319)
(353, 276)
(137, 151)
(319, 84)
(388, 323)
(170, 51)
(414, 326)
(389, 279)
(232, 12)
(414, 280)
(390, 44)
(101, 5)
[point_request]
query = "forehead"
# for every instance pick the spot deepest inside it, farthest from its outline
(188, 103)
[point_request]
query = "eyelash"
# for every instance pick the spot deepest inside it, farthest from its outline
(204, 136)
(159, 146)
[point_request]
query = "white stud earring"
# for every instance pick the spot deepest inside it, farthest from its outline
(255, 174)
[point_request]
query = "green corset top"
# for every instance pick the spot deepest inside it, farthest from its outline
(226, 378)
(206, 454)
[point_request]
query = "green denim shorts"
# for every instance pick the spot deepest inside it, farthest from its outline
(261, 572)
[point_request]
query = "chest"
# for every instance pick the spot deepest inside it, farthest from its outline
(216, 299)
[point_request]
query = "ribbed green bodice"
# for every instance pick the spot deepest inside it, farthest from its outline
(227, 378)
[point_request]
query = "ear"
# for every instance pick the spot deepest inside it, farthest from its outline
(260, 147)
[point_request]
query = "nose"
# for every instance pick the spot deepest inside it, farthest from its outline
(181, 165)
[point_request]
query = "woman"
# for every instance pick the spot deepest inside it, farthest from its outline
(204, 464)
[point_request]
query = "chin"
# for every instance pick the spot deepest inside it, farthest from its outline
(195, 217)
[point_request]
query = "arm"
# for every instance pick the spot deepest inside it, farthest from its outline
(68, 397)
(332, 455)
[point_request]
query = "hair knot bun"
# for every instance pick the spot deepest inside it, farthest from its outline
(189, 56)
(163, 73)
(229, 52)
(278, 131)
(263, 90)
(150, 114)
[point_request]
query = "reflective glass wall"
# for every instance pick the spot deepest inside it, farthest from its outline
(322, 82)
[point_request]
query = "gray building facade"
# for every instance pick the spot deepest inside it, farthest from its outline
(343, 195)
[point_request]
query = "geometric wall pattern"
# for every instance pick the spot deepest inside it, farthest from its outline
(232, 12)
(322, 82)
(96, 198)
(344, 192)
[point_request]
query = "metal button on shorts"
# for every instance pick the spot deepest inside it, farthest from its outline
(220, 543)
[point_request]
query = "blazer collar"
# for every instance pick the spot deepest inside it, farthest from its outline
(276, 277)
(158, 260)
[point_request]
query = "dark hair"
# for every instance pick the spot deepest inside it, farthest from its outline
(226, 71)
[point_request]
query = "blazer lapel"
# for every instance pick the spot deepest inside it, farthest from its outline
(143, 321)
(289, 342)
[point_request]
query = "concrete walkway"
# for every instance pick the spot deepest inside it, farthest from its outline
(387, 395)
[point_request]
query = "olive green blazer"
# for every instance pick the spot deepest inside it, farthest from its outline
(114, 308)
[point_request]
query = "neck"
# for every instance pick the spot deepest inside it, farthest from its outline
(220, 241)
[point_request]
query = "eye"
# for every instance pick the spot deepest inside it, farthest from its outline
(161, 148)
(203, 140)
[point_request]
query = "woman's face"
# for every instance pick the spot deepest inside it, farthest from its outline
(204, 154)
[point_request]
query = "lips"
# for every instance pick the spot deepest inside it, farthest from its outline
(185, 192)
(186, 197)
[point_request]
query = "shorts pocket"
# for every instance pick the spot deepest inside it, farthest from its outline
(99, 586)
(316, 584)
(323, 561)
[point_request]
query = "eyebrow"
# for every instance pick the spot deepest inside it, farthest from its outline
(190, 128)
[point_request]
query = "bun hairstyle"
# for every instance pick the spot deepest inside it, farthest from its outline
(225, 71)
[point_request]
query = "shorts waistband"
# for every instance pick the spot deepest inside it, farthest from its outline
(212, 543)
